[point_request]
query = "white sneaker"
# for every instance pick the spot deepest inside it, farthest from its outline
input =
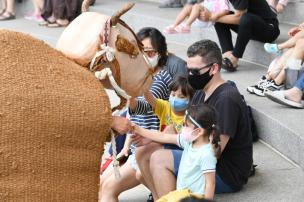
(262, 80)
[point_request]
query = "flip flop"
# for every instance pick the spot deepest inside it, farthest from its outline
(228, 66)
(10, 16)
(55, 25)
(2, 11)
(279, 97)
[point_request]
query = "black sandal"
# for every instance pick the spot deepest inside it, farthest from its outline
(7, 16)
(228, 66)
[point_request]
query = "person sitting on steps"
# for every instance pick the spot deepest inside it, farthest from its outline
(250, 20)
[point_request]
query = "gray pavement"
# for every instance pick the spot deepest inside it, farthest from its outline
(276, 179)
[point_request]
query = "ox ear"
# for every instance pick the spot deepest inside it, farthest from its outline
(118, 14)
(124, 45)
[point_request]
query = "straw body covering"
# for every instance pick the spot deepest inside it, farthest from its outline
(54, 119)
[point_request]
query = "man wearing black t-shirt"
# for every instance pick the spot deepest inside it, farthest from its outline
(233, 167)
(252, 19)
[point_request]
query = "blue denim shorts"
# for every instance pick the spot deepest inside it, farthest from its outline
(177, 155)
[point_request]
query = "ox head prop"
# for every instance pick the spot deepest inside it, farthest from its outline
(98, 41)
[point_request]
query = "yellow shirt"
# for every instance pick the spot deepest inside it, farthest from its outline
(166, 115)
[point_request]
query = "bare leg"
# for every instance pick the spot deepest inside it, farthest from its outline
(162, 167)
(292, 41)
(143, 155)
(226, 54)
(195, 12)
(10, 6)
(112, 187)
(3, 6)
(298, 52)
(280, 64)
(183, 14)
(38, 5)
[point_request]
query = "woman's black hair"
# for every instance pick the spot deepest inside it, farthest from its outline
(206, 116)
(182, 82)
(158, 42)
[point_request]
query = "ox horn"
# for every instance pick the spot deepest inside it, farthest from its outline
(86, 4)
(118, 14)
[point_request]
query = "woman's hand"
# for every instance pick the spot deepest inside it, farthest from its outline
(120, 124)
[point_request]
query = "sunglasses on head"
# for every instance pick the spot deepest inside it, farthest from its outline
(196, 70)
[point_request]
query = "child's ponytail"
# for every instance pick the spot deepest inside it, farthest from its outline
(216, 140)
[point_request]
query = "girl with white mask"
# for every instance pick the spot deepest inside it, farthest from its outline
(200, 140)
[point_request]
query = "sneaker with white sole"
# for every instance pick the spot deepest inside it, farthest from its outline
(269, 85)
(262, 80)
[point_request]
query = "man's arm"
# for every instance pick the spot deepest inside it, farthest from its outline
(224, 140)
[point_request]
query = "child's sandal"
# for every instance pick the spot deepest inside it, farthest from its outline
(170, 30)
(182, 29)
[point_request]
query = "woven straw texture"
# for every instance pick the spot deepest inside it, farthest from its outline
(54, 119)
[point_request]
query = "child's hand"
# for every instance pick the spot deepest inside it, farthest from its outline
(123, 152)
(139, 140)
(293, 31)
(280, 8)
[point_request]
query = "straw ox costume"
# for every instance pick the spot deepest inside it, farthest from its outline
(54, 112)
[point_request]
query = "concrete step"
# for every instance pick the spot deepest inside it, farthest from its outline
(279, 126)
(276, 179)
(148, 14)
(293, 13)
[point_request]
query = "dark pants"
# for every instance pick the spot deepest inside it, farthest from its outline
(251, 27)
(62, 9)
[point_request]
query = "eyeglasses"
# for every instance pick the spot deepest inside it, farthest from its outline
(196, 70)
(150, 52)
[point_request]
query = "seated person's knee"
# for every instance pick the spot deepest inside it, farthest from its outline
(157, 160)
(246, 20)
(108, 187)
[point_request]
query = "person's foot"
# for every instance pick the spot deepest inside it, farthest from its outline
(251, 89)
(7, 16)
(182, 28)
(272, 48)
(294, 94)
(2, 11)
(280, 97)
(34, 16)
(266, 86)
(227, 54)
(230, 62)
(62, 22)
(171, 4)
(170, 29)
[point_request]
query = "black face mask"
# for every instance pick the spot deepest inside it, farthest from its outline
(199, 81)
